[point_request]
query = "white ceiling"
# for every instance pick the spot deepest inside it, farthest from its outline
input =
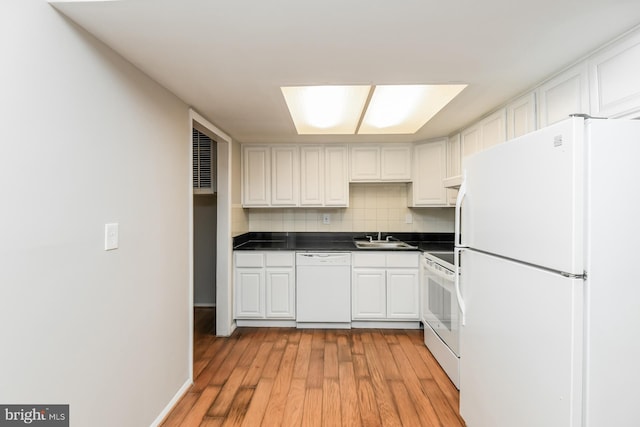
(229, 58)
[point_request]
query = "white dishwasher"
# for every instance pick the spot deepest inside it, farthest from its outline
(323, 290)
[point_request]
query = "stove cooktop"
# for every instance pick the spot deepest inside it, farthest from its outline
(444, 256)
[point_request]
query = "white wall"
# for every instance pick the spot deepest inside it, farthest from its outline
(87, 139)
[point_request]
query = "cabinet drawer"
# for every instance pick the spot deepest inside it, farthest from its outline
(395, 259)
(370, 259)
(249, 259)
(280, 259)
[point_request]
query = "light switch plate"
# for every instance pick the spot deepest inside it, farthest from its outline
(110, 236)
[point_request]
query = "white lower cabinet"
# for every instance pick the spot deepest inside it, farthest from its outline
(264, 285)
(402, 293)
(385, 286)
(368, 293)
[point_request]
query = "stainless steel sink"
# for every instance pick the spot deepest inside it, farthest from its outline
(382, 244)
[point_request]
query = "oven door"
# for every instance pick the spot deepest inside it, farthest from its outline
(439, 305)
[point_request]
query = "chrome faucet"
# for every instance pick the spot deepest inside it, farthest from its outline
(379, 236)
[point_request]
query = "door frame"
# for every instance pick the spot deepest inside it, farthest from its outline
(224, 324)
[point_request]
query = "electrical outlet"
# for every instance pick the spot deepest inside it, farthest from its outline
(326, 218)
(110, 236)
(408, 219)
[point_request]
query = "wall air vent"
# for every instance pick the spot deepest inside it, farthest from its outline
(204, 164)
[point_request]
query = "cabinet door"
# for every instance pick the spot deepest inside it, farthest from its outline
(453, 166)
(403, 294)
(427, 188)
(396, 163)
(563, 95)
(280, 293)
(249, 293)
(368, 297)
(469, 142)
(284, 176)
(256, 176)
(336, 178)
(521, 116)
(312, 176)
(493, 129)
(365, 163)
(613, 75)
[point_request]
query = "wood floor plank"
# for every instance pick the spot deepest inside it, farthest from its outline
(315, 377)
(344, 349)
(221, 405)
(350, 411)
(301, 367)
(406, 409)
(258, 405)
(205, 376)
(389, 366)
(312, 411)
(360, 365)
(368, 404)
(448, 416)
(230, 362)
(331, 412)
(238, 408)
(200, 408)
(356, 343)
(211, 422)
(181, 410)
(257, 365)
(281, 384)
(295, 403)
(331, 360)
(413, 355)
(388, 412)
(273, 363)
(440, 377)
(423, 404)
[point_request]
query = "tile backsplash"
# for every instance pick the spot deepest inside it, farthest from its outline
(372, 207)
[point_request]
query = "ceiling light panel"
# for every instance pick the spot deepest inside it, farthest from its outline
(318, 110)
(404, 109)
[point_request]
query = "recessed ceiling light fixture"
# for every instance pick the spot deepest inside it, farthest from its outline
(392, 109)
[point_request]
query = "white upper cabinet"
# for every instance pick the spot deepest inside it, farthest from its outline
(336, 176)
(376, 163)
(486, 133)
(295, 175)
(493, 129)
(256, 176)
(429, 171)
(453, 178)
(395, 163)
(312, 174)
(615, 80)
(470, 142)
(565, 94)
(284, 175)
(521, 116)
(365, 163)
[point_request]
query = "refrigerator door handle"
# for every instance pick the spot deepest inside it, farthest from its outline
(462, 191)
(457, 283)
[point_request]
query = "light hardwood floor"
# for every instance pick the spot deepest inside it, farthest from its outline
(292, 377)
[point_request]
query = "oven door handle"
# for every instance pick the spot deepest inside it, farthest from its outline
(457, 282)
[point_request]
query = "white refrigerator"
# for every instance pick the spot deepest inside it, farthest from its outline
(547, 226)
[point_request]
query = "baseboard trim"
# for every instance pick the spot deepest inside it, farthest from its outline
(160, 418)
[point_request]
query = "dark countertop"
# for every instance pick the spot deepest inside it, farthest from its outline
(336, 242)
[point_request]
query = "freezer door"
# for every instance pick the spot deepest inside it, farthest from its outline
(521, 345)
(524, 198)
